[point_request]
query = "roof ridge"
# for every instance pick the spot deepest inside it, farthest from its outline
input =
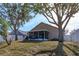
(47, 24)
(43, 23)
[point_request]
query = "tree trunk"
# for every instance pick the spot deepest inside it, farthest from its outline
(61, 34)
(16, 37)
(8, 42)
(61, 39)
(60, 43)
(15, 30)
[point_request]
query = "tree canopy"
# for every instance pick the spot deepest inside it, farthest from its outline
(16, 14)
(58, 12)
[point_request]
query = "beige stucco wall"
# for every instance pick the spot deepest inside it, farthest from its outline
(53, 32)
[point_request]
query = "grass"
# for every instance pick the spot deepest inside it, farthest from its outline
(35, 48)
(28, 48)
(74, 47)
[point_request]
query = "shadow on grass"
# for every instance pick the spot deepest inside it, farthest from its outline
(4, 46)
(75, 46)
(30, 41)
(53, 52)
(58, 51)
(77, 54)
(48, 52)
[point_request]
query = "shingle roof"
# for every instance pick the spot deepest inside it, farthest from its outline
(44, 24)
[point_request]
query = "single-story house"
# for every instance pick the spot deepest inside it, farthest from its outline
(21, 35)
(43, 31)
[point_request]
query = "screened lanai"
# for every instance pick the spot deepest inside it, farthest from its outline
(38, 35)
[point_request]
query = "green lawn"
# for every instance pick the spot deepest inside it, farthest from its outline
(36, 48)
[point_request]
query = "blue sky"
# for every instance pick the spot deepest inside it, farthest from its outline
(73, 23)
(33, 22)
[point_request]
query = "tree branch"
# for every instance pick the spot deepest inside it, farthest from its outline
(66, 23)
(51, 15)
(3, 9)
(48, 19)
(56, 9)
(65, 19)
(11, 27)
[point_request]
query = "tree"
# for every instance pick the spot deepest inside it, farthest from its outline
(16, 15)
(58, 14)
(3, 29)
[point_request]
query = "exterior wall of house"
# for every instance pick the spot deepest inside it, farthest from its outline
(53, 31)
(12, 37)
